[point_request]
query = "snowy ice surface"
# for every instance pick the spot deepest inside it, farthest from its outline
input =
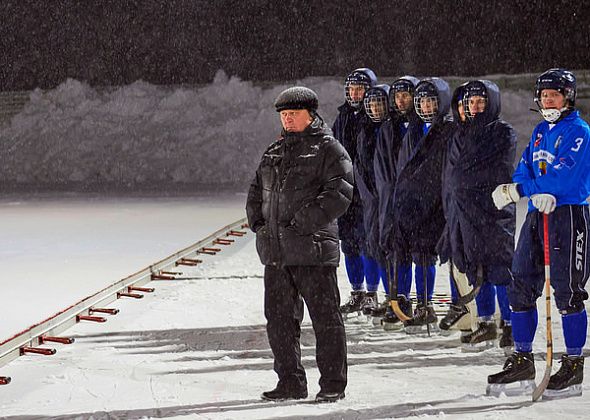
(196, 348)
(56, 251)
(143, 136)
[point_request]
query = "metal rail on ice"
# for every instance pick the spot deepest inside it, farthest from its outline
(47, 330)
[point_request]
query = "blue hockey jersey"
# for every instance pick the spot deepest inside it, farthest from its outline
(557, 161)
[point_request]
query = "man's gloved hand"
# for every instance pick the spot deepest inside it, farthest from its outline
(505, 194)
(544, 202)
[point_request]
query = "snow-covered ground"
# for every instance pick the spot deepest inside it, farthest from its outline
(142, 136)
(196, 348)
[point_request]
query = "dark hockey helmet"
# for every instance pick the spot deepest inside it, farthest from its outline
(405, 85)
(376, 103)
(356, 84)
(561, 80)
(475, 95)
(426, 101)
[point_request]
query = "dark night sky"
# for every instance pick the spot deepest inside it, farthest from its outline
(113, 42)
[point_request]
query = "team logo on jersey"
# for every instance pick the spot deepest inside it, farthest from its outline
(566, 162)
(538, 140)
(543, 155)
(543, 167)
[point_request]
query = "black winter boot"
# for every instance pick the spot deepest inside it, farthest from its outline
(283, 392)
(567, 381)
(518, 368)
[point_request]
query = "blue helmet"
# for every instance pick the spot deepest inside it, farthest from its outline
(376, 103)
(360, 77)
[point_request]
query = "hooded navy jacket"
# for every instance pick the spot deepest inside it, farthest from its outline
(480, 157)
(417, 219)
(350, 224)
(364, 175)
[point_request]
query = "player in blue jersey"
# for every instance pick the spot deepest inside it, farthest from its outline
(350, 225)
(554, 173)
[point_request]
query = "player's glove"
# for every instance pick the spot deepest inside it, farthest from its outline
(505, 194)
(544, 202)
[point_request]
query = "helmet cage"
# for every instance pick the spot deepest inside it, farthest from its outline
(472, 91)
(356, 78)
(426, 94)
(398, 86)
(376, 105)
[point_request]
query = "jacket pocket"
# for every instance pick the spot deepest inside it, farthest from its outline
(263, 245)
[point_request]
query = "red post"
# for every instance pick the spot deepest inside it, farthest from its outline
(90, 318)
(208, 251)
(188, 261)
(171, 273)
(37, 350)
(131, 295)
(162, 277)
(236, 233)
(245, 226)
(109, 311)
(5, 380)
(221, 241)
(141, 289)
(61, 340)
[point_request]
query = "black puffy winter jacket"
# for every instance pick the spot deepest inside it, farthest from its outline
(302, 185)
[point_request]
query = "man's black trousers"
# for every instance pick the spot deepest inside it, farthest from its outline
(285, 289)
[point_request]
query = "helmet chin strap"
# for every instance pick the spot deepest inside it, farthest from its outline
(552, 115)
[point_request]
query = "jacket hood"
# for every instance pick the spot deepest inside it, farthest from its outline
(444, 96)
(493, 105)
(457, 95)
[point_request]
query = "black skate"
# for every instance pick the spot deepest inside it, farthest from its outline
(516, 378)
(369, 304)
(390, 321)
(424, 317)
(454, 315)
(379, 312)
(567, 381)
(480, 339)
(352, 308)
(506, 340)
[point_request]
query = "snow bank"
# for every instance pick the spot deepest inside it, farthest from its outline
(147, 137)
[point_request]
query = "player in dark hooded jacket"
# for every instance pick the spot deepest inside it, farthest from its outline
(389, 141)
(477, 236)
(376, 104)
(350, 225)
(418, 218)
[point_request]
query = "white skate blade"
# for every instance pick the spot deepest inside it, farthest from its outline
(512, 389)
(392, 326)
(477, 347)
(570, 391)
(422, 329)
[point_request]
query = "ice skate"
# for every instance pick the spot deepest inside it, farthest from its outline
(352, 309)
(567, 381)
(506, 340)
(379, 312)
(453, 316)
(423, 319)
(480, 339)
(517, 376)
(369, 304)
(390, 321)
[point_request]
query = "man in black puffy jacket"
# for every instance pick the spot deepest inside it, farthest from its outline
(302, 185)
